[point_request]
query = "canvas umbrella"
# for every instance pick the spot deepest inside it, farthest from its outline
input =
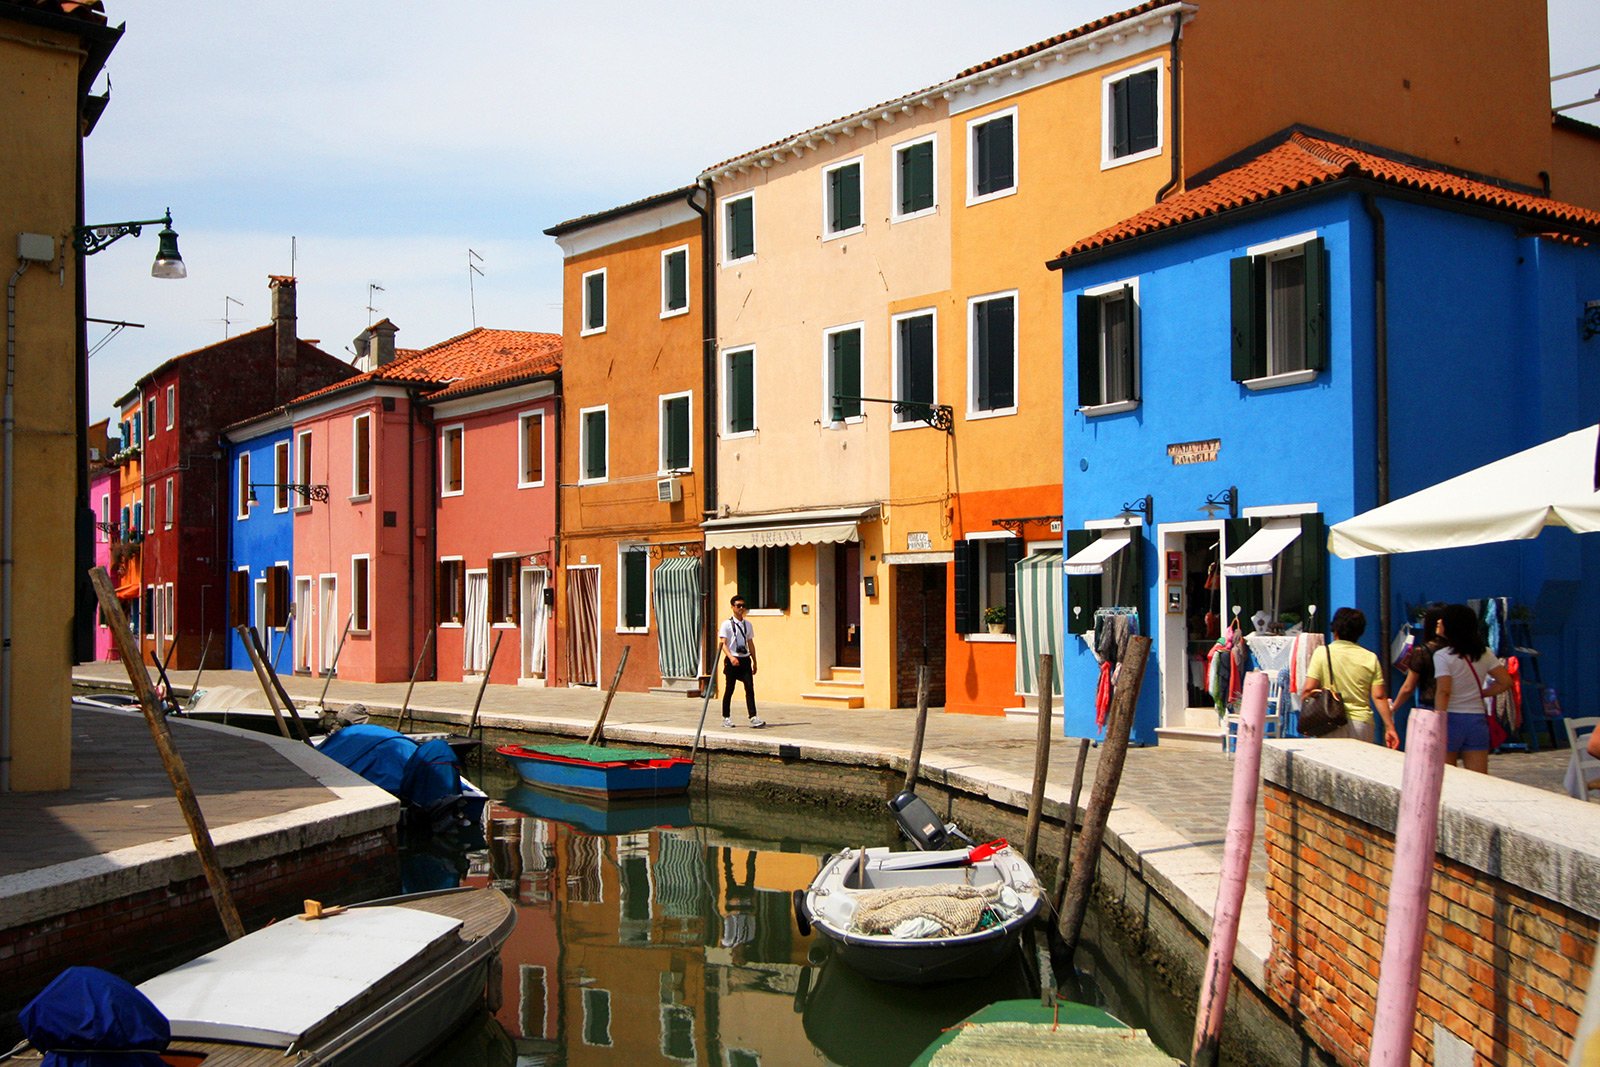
(1553, 484)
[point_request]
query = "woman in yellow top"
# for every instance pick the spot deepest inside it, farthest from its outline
(1357, 677)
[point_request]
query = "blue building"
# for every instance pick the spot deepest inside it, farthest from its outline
(1255, 356)
(259, 511)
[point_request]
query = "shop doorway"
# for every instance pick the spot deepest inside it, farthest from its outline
(535, 621)
(583, 625)
(919, 607)
(847, 604)
(1191, 599)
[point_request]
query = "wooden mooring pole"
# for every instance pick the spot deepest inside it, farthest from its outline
(250, 649)
(489, 669)
(1070, 828)
(405, 705)
(914, 763)
(598, 733)
(289, 709)
(1235, 873)
(1107, 776)
(1041, 758)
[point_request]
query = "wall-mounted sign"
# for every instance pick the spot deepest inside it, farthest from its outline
(918, 542)
(1186, 452)
(1174, 566)
(1175, 599)
(1055, 525)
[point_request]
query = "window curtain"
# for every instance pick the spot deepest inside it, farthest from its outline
(475, 625)
(678, 617)
(583, 626)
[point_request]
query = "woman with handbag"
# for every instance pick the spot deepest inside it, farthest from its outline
(1356, 676)
(1419, 665)
(1459, 669)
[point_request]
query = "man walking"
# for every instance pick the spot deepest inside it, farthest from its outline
(738, 642)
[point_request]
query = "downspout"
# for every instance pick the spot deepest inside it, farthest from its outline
(1176, 107)
(423, 419)
(708, 407)
(411, 533)
(1380, 370)
(8, 431)
(558, 562)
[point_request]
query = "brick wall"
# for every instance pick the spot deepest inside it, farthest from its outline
(1505, 968)
(919, 631)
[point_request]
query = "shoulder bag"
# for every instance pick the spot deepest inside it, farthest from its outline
(1322, 710)
(1498, 734)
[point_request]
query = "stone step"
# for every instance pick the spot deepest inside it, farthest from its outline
(843, 698)
(1202, 738)
(845, 674)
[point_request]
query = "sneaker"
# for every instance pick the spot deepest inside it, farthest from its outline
(758, 723)
(727, 724)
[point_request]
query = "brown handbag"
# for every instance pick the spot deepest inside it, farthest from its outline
(1322, 710)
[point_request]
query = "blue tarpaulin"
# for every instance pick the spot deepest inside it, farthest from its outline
(87, 1010)
(424, 776)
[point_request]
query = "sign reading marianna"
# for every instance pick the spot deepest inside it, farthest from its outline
(1194, 451)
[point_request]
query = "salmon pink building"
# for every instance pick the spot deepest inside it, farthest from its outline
(105, 498)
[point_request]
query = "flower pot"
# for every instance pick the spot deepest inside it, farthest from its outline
(997, 627)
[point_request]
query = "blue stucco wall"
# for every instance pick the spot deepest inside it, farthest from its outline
(259, 542)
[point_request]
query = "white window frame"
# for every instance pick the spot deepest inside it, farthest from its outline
(459, 430)
(910, 422)
(688, 289)
(622, 600)
(302, 457)
(973, 197)
(725, 237)
(105, 516)
(360, 424)
(1107, 160)
(495, 559)
(859, 162)
(973, 412)
(1272, 250)
(661, 432)
(150, 418)
(522, 449)
(678, 1010)
(592, 991)
(828, 421)
(282, 495)
(172, 504)
(583, 445)
(463, 561)
(241, 510)
(150, 508)
(171, 628)
(726, 378)
(584, 328)
(989, 541)
(172, 406)
(356, 588)
(150, 621)
(1118, 406)
(894, 180)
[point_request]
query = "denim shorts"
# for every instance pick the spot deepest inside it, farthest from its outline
(1467, 731)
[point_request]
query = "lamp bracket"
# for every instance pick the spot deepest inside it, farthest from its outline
(92, 239)
(1145, 506)
(307, 493)
(1215, 502)
(939, 416)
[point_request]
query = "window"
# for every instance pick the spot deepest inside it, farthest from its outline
(842, 379)
(149, 611)
(1280, 330)
(594, 302)
(763, 576)
(280, 476)
(150, 416)
(913, 179)
(105, 516)
(986, 577)
(451, 593)
(674, 432)
(841, 198)
(677, 1032)
(1108, 348)
(992, 355)
(172, 503)
(170, 611)
(136, 528)
(128, 523)
(1132, 115)
(278, 596)
(302, 462)
(172, 405)
(738, 228)
(633, 588)
(992, 157)
(239, 597)
(533, 1000)
(593, 449)
(361, 457)
(913, 367)
(739, 391)
(504, 601)
(360, 593)
(530, 449)
(150, 508)
(136, 428)
(674, 281)
(596, 1017)
(451, 461)
(242, 511)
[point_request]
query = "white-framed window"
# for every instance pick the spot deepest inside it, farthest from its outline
(150, 417)
(361, 593)
(597, 1017)
(242, 497)
(594, 446)
(761, 576)
(738, 228)
(361, 457)
(675, 282)
(282, 496)
(915, 339)
(105, 516)
(452, 460)
(172, 502)
(988, 560)
(992, 355)
(841, 198)
(915, 183)
(675, 434)
(841, 374)
(1279, 295)
(992, 156)
(739, 392)
(172, 406)
(302, 461)
(150, 509)
(504, 594)
(633, 588)
(1131, 114)
(171, 626)
(530, 449)
(451, 593)
(149, 612)
(1108, 348)
(594, 302)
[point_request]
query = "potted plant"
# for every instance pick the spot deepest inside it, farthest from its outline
(995, 617)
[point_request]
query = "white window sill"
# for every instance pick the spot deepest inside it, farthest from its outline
(279, 511)
(452, 492)
(834, 235)
(449, 626)
(360, 498)
(770, 612)
(924, 213)
(1000, 194)
(673, 313)
(1109, 163)
(591, 331)
(593, 481)
(839, 424)
(1279, 381)
(530, 485)
(360, 633)
(738, 436)
(990, 639)
(1116, 408)
(632, 630)
(751, 258)
(242, 516)
(993, 413)
(502, 626)
(298, 508)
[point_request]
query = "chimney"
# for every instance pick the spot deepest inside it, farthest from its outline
(286, 338)
(380, 343)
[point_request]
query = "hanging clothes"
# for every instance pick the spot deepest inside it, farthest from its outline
(1102, 697)
(1305, 646)
(1239, 664)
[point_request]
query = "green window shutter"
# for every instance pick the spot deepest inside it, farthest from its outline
(966, 593)
(635, 563)
(1244, 593)
(741, 228)
(1130, 346)
(916, 178)
(747, 563)
(1127, 574)
(677, 281)
(1249, 352)
(844, 350)
(1083, 590)
(1143, 111)
(594, 458)
(844, 197)
(594, 301)
(992, 143)
(916, 361)
(676, 453)
(741, 392)
(1089, 391)
(1119, 119)
(996, 370)
(1312, 550)
(1015, 548)
(1316, 258)
(778, 575)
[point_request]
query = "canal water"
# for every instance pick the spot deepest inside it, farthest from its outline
(665, 933)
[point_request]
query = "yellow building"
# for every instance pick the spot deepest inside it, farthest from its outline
(50, 53)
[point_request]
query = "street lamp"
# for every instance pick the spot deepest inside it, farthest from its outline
(168, 264)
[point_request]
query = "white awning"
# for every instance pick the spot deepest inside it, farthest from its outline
(1092, 560)
(1256, 555)
(787, 528)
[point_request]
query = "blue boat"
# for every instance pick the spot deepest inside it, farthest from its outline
(598, 816)
(425, 777)
(596, 771)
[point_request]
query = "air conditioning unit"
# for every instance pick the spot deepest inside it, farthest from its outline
(668, 489)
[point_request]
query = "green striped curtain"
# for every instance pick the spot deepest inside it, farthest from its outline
(678, 618)
(1040, 618)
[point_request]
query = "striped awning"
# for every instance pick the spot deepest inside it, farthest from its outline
(787, 528)
(1040, 619)
(678, 616)
(1092, 559)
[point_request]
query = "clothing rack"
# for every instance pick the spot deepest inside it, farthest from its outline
(1100, 613)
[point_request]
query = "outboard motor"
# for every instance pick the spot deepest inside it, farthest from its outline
(922, 826)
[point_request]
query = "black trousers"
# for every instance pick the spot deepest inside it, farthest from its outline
(743, 672)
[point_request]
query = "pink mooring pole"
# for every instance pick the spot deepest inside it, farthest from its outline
(1416, 832)
(1235, 871)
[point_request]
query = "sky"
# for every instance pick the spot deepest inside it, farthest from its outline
(380, 142)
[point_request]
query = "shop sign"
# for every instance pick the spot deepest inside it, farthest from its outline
(1187, 452)
(918, 542)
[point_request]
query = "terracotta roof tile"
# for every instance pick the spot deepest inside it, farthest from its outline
(476, 354)
(91, 10)
(1303, 161)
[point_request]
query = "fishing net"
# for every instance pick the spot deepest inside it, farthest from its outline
(950, 909)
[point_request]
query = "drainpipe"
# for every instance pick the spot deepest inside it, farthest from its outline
(558, 562)
(8, 422)
(708, 407)
(1380, 370)
(1175, 106)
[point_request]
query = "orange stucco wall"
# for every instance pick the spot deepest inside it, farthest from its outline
(1575, 165)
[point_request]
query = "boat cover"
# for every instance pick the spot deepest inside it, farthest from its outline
(87, 1009)
(425, 776)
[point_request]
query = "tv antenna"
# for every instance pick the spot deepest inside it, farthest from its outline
(472, 295)
(227, 322)
(372, 287)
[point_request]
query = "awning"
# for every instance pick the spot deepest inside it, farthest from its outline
(1092, 560)
(1256, 555)
(787, 528)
